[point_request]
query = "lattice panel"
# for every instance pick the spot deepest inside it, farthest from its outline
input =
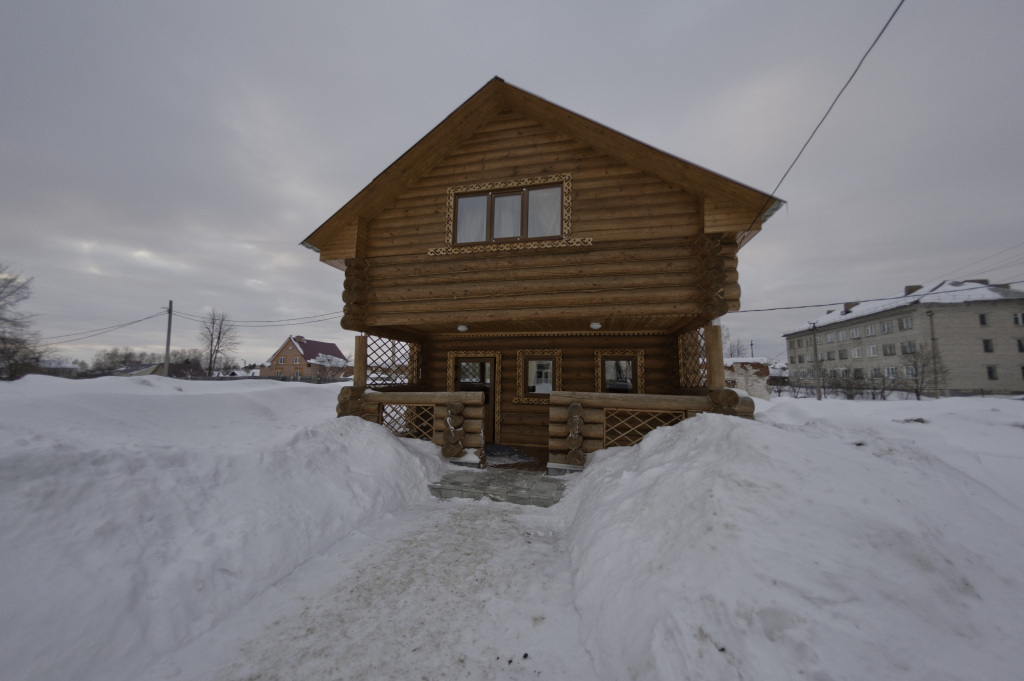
(625, 427)
(409, 420)
(391, 362)
(693, 360)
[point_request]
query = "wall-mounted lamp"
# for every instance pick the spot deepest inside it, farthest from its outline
(463, 327)
(595, 325)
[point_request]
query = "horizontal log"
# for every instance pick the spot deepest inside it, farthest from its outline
(475, 440)
(560, 414)
(468, 412)
(469, 425)
(412, 398)
(724, 397)
(632, 401)
(508, 284)
(745, 405)
(560, 444)
(559, 312)
(368, 408)
(591, 430)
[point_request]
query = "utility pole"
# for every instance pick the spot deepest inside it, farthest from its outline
(751, 349)
(167, 348)
(817, 364)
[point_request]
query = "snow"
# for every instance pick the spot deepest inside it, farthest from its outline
(163, 529)
(945, 292)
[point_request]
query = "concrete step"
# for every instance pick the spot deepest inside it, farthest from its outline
(530, 488)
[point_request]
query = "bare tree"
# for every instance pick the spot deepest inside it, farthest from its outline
(327, 367)
(219, 336)
(923, 371)
(19, 346)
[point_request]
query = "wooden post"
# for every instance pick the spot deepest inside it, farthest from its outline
(715, 357)
(359, 363)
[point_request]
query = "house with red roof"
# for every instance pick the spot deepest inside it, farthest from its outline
(300, 358)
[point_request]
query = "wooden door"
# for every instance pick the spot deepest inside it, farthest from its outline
(476, 374)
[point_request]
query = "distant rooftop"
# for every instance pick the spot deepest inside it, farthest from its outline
(976, 290)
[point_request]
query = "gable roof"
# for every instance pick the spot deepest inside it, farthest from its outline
(497, 96)
(311, 350)
(945, 292)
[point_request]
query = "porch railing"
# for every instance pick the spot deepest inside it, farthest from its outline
(580, 423)
(453, 420)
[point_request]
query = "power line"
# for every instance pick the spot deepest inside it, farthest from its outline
(97, 332)
(813, 132)
(326, 317)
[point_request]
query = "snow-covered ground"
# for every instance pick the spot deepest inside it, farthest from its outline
(155, 529)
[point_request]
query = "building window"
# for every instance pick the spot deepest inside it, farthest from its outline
(872, 351)
(618, 374)
(1018, 319)
(906, 323)
(830, 337)
(889, 349)
(844, 354)
(296, 360)
(987, 346)
(876, 372)
(991, 371)
(855, 353)
(858, 374)
(886, 327)
(910, 372)
(821, 356)
(540, 372)
(298, 373)
(844, 373)
(509, 214)
(855, 333)
(841, 335)
(799, 359)
(890, 372)
(792, 344)
(277, 373)
(799, 342)
(1020, 345)
(908, 347)
(983, 319)
(831, 355)
(792, 359)
(280, 360)
(869, 330)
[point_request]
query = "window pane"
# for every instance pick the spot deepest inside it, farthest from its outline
(538, 372)
(472, 219)
(545, 212)
(508, 211)
(618, 375)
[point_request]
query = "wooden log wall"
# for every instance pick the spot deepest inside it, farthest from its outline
(649, 255)
(524, 424)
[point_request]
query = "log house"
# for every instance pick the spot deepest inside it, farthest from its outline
(526, 277)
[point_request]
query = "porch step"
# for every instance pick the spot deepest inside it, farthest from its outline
(530, 488)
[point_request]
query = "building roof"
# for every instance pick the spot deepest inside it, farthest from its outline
(944, 293)
(314, 352)
(497, 96)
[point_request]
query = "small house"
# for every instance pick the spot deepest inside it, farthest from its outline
(526, 277)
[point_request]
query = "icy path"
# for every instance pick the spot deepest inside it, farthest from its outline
(453, 589)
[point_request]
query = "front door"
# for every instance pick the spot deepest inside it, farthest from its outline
(476, 374)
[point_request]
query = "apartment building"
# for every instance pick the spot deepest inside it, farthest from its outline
(956, 338)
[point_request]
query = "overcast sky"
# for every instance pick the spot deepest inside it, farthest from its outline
(182, 150)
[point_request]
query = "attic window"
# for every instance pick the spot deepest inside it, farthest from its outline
(509, 214)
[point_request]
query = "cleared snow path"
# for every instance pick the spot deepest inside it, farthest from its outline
(452, 589)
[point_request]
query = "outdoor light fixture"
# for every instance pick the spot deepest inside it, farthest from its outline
(595, 325)
(463, 327)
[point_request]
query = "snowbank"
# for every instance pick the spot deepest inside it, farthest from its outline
(829, 541)
(137, 513)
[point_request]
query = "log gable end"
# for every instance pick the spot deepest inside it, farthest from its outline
(649, 242)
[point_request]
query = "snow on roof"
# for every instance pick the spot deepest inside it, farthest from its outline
(729, 361)
(311, 350)
(946, 292)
